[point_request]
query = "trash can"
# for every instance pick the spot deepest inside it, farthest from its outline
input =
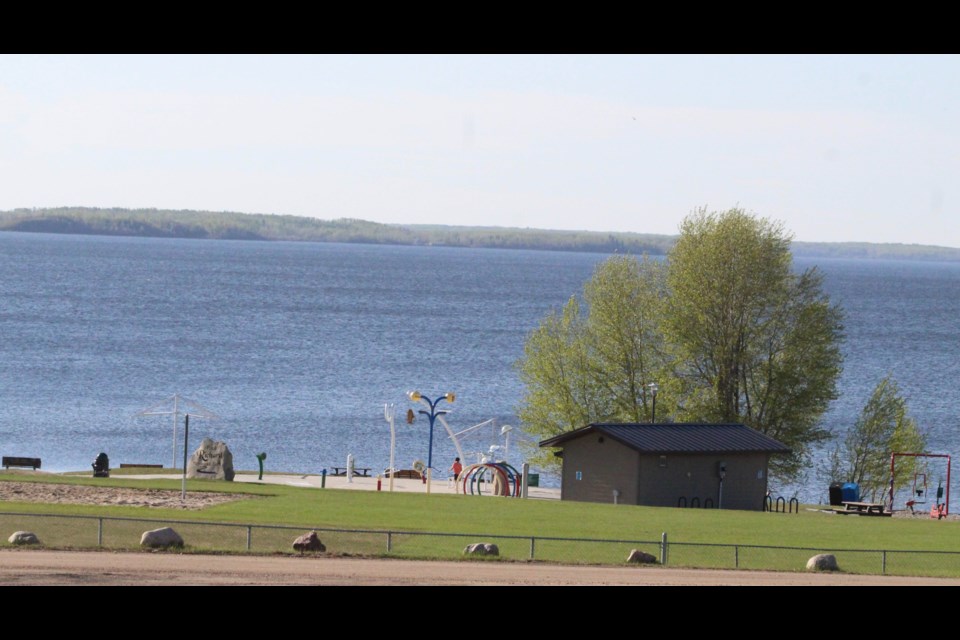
(851, 492)
(836, 494)
(101, 466)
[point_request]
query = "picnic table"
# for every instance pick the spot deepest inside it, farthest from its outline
(865, 508)
(357, 471)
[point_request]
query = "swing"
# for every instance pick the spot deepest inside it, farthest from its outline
(920, 488)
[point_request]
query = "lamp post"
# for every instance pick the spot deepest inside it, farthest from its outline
(416, 396)
(390, 413)
(505, 432)
(653, 390)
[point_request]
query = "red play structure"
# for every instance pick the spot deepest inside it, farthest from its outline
(919, 494)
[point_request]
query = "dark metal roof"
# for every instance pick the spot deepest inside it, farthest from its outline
(678, 437)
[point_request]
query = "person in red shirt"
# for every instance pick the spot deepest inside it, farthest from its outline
(456, 468)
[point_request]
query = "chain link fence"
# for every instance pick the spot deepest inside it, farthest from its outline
(115, 533)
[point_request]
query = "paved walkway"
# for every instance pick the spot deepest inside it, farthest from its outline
(361, 483)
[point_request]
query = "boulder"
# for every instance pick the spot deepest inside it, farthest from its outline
(823, 562)
(481, 549)
(308, 542)
(23, 537)
(212, 460)
(641, 557)
(165, 537)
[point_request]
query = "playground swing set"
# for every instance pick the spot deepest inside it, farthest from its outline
(920, 493)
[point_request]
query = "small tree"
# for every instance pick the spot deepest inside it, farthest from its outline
(882, 429)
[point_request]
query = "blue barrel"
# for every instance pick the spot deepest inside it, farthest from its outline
(850, 492)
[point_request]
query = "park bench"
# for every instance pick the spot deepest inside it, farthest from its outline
(15, 461)
(411, 474)
(131, 465)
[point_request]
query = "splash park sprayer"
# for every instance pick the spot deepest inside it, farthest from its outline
(501, 478)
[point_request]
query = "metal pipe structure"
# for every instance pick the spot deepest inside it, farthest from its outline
(893, 458)
(432, 414)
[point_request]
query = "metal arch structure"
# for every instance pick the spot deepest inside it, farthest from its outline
(180, 407)
(506, 480)
(893, 464)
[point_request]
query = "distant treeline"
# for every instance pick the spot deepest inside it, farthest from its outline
(226, 225)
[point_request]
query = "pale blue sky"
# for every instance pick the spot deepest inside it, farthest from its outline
(837, 147)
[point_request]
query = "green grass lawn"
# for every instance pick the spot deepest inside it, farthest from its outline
(446, 513)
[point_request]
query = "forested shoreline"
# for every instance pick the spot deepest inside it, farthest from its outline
(226, 225)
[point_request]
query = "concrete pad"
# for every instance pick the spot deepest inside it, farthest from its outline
(360, 483)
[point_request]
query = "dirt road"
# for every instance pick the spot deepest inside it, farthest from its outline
(46, 568)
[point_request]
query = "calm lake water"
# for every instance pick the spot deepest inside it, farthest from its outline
(297, 347)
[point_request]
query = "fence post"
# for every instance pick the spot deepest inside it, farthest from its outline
(663, 548)
(532, 543)
(99, 532)
(736, 557)
(883, 563)
(249, 536)
(389, 541)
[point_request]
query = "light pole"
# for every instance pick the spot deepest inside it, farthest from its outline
(390, 413)
(416, 396)
(505, 432)
(653, 390)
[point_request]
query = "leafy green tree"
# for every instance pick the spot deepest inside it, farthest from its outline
(625, 300)
(725, 327)
(587, 366)
(754, 341)
(884, 427)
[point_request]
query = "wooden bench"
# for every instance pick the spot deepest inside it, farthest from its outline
(14, 461)
(129, 465)
(411, 474)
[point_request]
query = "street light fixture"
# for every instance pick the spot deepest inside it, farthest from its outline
(653, 390)
(416, 396)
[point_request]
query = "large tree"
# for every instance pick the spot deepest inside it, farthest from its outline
(725, 328)
(755, 341)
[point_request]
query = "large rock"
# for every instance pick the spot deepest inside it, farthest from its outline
(823, 562)
(23, 537)
(165, 537)
(481, 549)
(641, 557)
(308, 542)
(212, 460)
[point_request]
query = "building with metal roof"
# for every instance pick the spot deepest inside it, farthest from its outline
(722, 466)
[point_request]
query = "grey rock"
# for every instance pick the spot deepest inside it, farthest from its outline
(641, 557)
(481, 549)
(23, 537)
(823, 562)
(308, 542)
(165, 537)
(212, 461)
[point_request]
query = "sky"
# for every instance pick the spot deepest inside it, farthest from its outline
(837, 148)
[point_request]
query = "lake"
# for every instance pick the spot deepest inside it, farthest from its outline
(297, 347)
